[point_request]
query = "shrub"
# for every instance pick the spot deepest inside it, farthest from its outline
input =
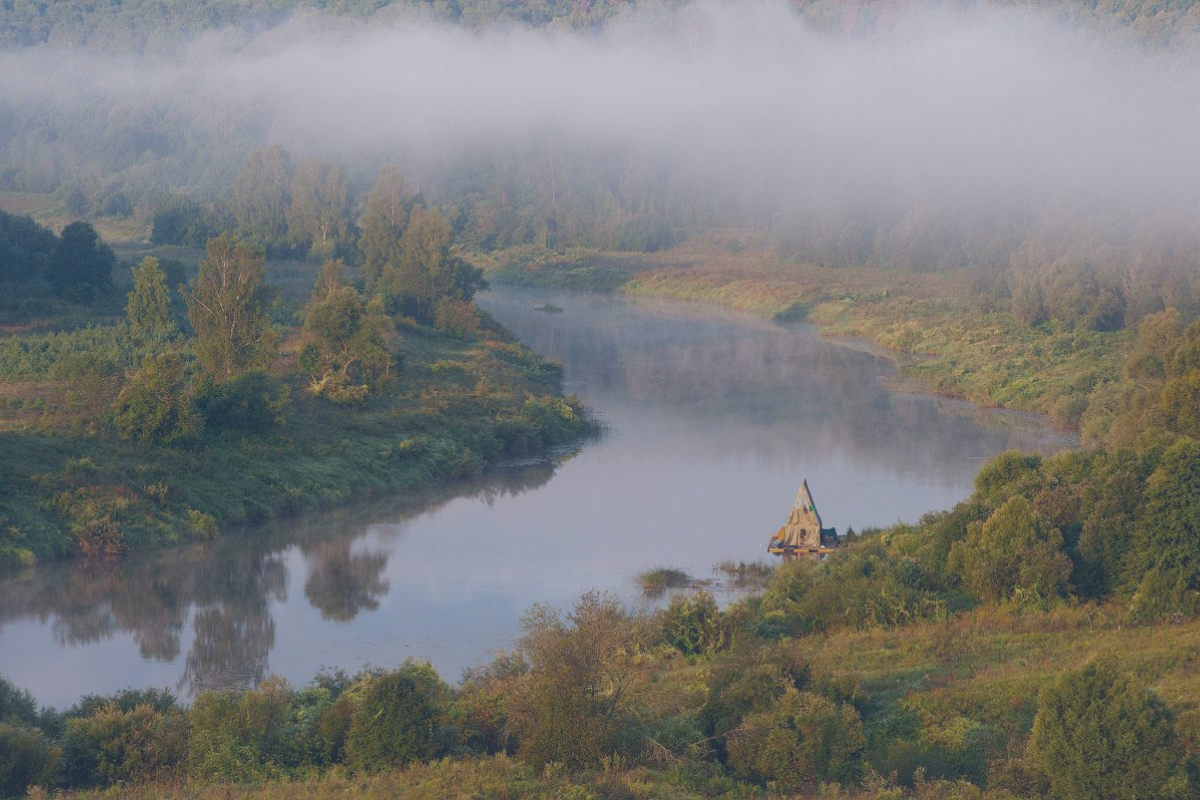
(1100, 734)
(236, 737)
(802, 741)
(27, 758)
(157, 404)
(253, 402)
(1015, 554)
(396, 720)
(693, 625)
(16, 705)
(570, 706)
(134, 745)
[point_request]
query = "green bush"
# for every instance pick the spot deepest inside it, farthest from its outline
(238, 737)
(253, 402)
(27, 759)
(1100, 734)
(134, 745)
(1016, 554)
(692, 624)
(395, 722)
(803, 740)
(157, 404)
(16, 705)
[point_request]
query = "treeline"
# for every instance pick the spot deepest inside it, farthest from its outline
(709, 700)
(76, 266)
(156, 25)
(207, 365)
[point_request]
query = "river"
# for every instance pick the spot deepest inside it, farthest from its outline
(712, 418)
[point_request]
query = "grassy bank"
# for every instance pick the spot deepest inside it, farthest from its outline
(967, 343)
(70, 485)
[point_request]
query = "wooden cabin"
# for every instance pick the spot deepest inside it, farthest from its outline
(804, 535)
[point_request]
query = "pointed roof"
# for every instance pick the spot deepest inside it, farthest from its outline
(804, 502)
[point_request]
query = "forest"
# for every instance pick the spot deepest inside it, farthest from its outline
(193, 275)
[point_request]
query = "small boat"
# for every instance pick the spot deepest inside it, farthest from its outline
(803, 535)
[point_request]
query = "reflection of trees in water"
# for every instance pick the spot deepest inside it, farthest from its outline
(342, 583)
(227, 588)
(234, 630)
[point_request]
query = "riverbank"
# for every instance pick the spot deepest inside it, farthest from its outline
(71, 486)
(965, 342)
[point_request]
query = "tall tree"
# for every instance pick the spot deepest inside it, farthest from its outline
(81, 264)
(227, 309)
(149, 304)
(383, 225)
(427, 270)
(261, 195)
(318, 218)
(350, 336)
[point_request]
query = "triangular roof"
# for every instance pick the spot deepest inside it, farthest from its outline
(804, 501)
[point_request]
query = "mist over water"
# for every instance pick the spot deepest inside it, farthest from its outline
(713, 419)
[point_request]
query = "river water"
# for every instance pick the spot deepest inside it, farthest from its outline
(712, 418)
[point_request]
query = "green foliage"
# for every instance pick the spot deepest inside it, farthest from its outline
(425, 270)
(693, 625)
(572, 702)
(396, 719)
(25, 247)
(238, 737)
(350, 337)
(80, 265)
(1016, 554)
(186, 222)
(149, 304)
(1100, 734)
(252, 402)
(27, 759)
(1167, 552)
(158, 404)
(17, 706)
(261, 195)
(802, 740)
(227, 309)
(655, 582)
(132, 745)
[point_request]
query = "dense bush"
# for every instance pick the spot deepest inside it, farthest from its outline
(1100, 734)
(397, 719)
(27, 759)
(801, 741)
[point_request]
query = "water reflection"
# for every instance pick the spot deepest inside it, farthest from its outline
(216, 604)
(713, 420)
(342, 583)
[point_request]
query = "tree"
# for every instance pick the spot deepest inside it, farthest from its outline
(261, 195)
(1165, 561)
(149, 304)
(227, 309)
(1100, 734)
(157, 404)
(570, 706)
(318, 218)
(351, 338)
(25, 247)
(803, 740)
(1015, 554)
(395, 722)
(383, 224)
(427, 271)
(81, 264)
(27, 758)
